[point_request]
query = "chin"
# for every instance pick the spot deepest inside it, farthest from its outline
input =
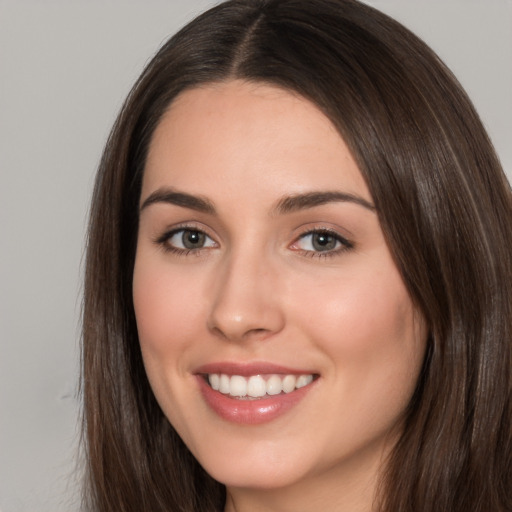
(255, 467)
(255, 477)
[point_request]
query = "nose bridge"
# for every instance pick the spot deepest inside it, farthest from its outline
(245, 303)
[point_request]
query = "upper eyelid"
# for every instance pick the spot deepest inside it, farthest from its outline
(166, 234)
(188, 226)
(334, 225)
(328, 230)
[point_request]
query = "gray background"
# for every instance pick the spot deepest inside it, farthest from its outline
(65, 67)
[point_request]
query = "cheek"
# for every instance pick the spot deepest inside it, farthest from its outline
(375, 343)
(166, 304)
(361, 310)
(372, 334)
(167, 310)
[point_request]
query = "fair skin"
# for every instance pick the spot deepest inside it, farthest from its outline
(250, 279)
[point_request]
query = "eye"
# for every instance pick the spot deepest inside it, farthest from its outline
(321, 241)
(185, 239)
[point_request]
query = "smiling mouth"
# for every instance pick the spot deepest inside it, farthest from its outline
(256, 387)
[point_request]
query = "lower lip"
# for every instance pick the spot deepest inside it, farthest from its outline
(251, 412)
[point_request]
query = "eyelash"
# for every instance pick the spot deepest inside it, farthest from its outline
(345, 245)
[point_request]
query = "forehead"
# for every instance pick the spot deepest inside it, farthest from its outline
(234, 133)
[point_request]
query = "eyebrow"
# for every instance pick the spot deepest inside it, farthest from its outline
(171, 196)
(288, 204)
(311, 199)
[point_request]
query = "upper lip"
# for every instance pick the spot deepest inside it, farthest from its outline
(248, 369)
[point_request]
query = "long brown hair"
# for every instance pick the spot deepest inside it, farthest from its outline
(444, 205)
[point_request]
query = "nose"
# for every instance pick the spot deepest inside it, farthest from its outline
(246, 303)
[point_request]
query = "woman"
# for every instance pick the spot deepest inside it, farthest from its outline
(298, 274)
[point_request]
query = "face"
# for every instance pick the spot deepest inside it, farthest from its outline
(276, 332)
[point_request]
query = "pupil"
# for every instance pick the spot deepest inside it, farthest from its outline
(323, 242)
(193, 239)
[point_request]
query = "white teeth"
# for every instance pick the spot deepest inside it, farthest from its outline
(303, 380)
(237, 386)
(214, 379)
(274, 385)
(289, 383)
(224, 384)
(257, 386)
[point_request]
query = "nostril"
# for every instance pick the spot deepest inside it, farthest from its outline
(257, 334)
(257, 331)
